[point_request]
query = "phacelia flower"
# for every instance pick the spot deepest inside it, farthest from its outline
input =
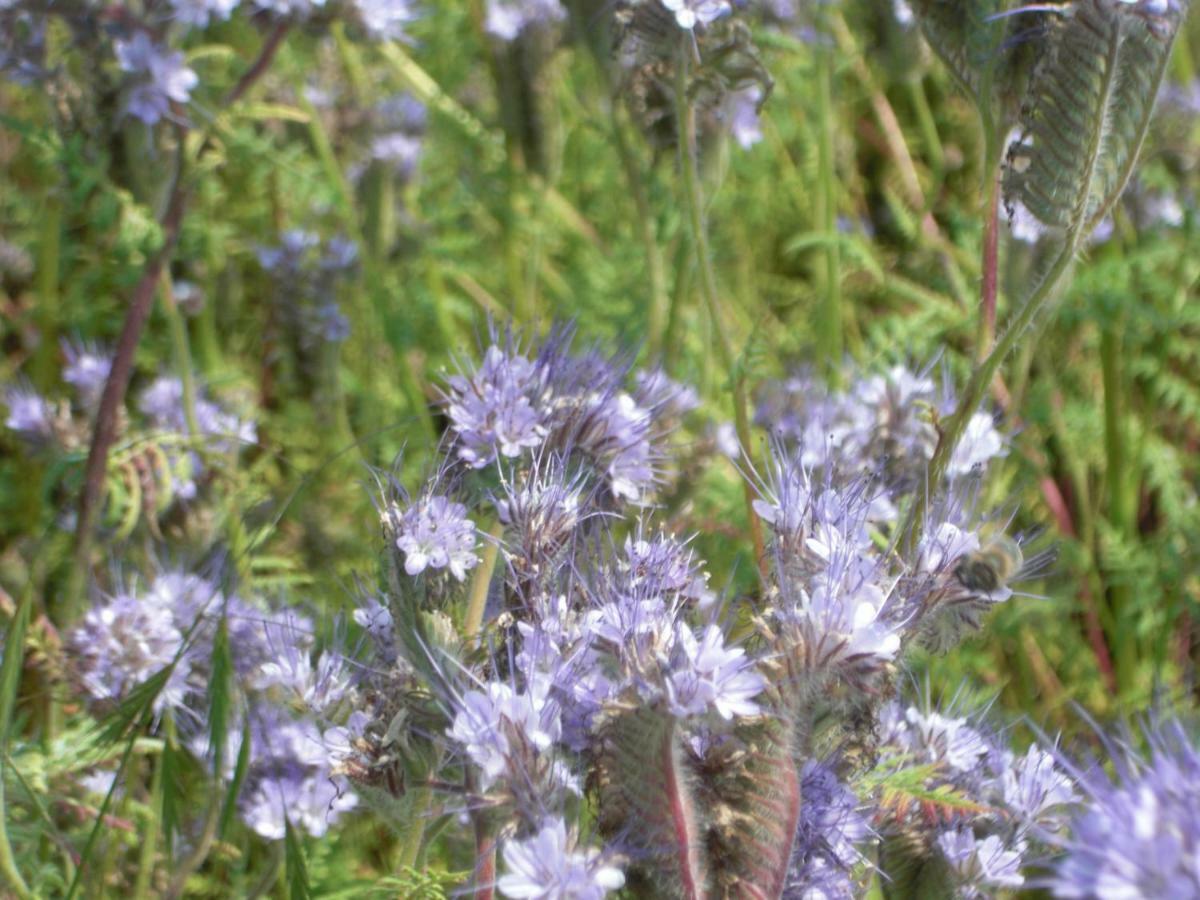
(386, 19)
(707, 674)
(86, 371)
(690, 13)
(29, 413)
(199, 13)
(163, 77)
(828, 834)
(980, 864)
(494, 410)
(1138, 833)
(484, 721)
(547, 866)
(435, 533)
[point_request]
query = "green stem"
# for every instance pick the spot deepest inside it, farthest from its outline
(830, 339)
(660, 302)
(149, 849)
(477, 600)
(693, 201)
(1120, 508)
(981, 379)
(49, 253)
(10, 677)
(183, 355)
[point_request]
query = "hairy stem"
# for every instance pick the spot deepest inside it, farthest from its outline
(693, 201)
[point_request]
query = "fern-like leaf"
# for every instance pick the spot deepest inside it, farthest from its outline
(646, 797)
(1088, 111)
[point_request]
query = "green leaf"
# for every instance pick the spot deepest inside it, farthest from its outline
(1089, 107)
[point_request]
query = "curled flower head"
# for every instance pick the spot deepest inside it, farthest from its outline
(435, 533)
(551, 866)
(1138, 832)
(497, 410)
(828, 834)
(86, 371)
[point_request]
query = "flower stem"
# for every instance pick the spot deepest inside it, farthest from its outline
(693, 201)
(830, 337)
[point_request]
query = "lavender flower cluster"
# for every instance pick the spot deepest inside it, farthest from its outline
(580, 637)
(161, 437)
(170, 626)
(157, 83)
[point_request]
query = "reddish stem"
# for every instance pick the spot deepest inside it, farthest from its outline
(1057, 503)
(485, 858)
(991, 266)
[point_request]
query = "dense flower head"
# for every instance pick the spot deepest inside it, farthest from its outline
(162, 77)
(550, 865)
(1138, 832)
(162, 402)
(435, 533)
(574, 406)
(496, 409)
(707, 674)
(881, 425)
(289, 777)
(831, 829)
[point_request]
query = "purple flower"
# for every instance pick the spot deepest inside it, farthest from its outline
(199, 13)
(495, 410)
(690, 13)
(1138, 834)
(486, 721)
(980, 444)
(164, 77)
(934, 738)
(830, 829)
(435, 533)
(981, 863)
(506, 19)
(1035, 788)
(386, 19)
(86, 370)
(550, 866)
(706, 674)
(659, 392)
(743, 116)
(29, 413)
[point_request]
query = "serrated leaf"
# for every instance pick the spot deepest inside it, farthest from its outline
(646, 795)
(1089, 107)
(965, 36)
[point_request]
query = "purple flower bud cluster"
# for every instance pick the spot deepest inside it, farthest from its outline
(170, 626)
(880, 425)
(998, 806)
(574, 406)
(833, 826)
(306, 274)
(160, 78)
(1137, 833)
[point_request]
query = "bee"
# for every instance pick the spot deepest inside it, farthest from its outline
(991, 567)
